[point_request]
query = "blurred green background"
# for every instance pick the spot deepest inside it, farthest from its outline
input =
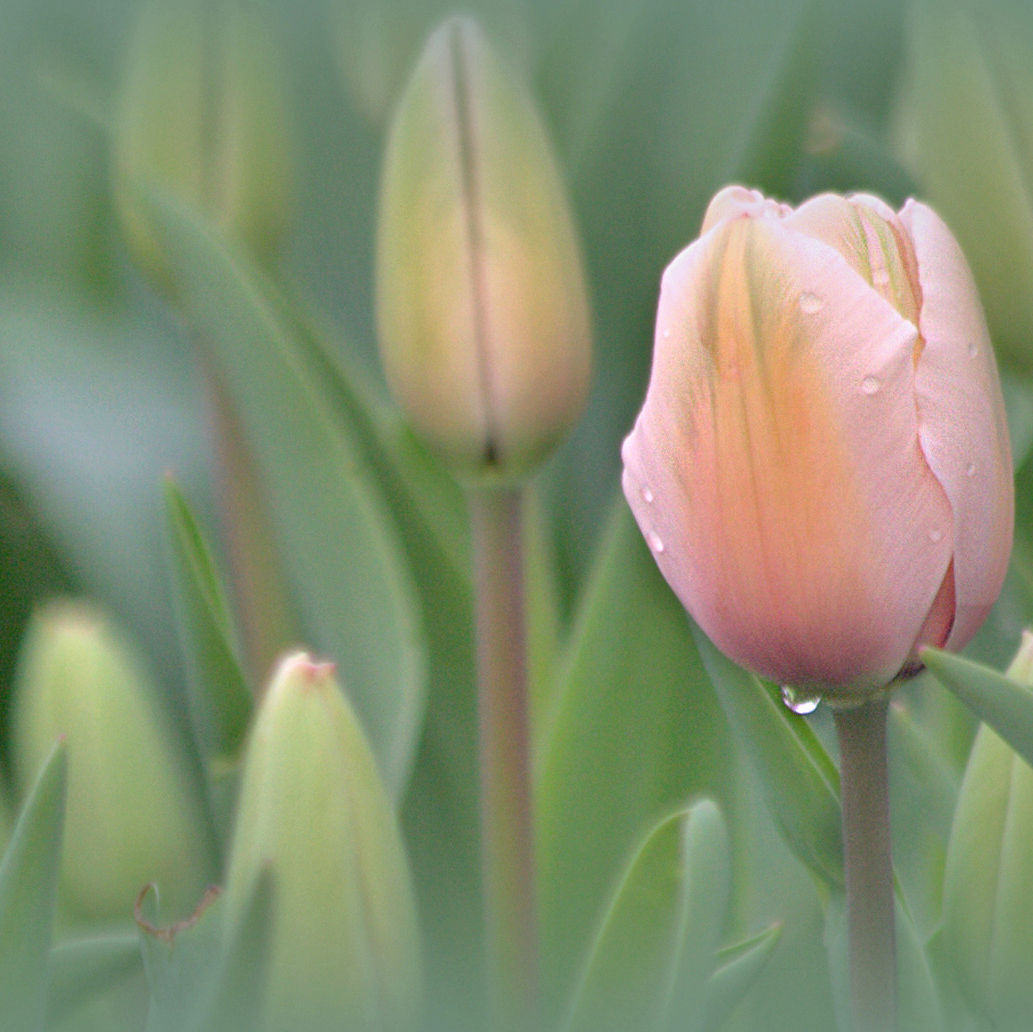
(652, 105)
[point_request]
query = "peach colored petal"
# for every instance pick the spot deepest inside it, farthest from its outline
(775, 467)
(961, 419)
(736, 201)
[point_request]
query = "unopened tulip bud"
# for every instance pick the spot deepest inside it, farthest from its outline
(988, 881)
(202, 117)
(965, 128)
(313, 811)
(822, 466)
(481, 301)
(132, 815)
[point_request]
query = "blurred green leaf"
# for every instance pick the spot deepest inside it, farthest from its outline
(654, 948)
(220, 700)
(635, 731)
(28, 897)
(799, 780)
(236, 996)
(181, 960)
(356, 595)
(81, 969)
(739, 967)
(997, 700)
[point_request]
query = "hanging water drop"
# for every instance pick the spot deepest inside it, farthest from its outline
(798, 702)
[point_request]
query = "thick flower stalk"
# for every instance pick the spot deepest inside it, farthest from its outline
(822, 465)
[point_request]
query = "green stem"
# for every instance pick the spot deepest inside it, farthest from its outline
(507, 830)
(864, 785)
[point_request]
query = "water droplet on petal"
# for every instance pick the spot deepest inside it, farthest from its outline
(880, 276)
(647, 496)
(935, 535)
(655, 543)
(870, 385)
(973, 350)
(810, 303)
(970, 470)
(667, 332)
(800, 703)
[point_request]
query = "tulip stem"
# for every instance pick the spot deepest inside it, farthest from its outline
(864, 784)
(507, 829)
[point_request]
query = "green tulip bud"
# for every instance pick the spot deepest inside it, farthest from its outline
(988, 881)
(481, 301)
(965, 128)
(133, 816)
(313, 811)
(202, 116)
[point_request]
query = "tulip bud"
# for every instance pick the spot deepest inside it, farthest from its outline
(965, 129)
(132, 815)
(313, 811)
(821, 466)
(202, 117)
(481, 302)
(988, 880)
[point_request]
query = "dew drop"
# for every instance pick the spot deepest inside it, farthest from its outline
(973, 350)
(655, 543)
(880, 276)
(970, 470)
(935, 535)
(647, 496)
(799, 702)
(870, 385)
(667, 332)
(810, 303)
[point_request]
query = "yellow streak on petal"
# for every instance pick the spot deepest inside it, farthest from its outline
(775, 488)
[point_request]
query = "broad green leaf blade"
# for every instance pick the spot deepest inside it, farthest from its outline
(800, 782)
(84, 968)
(350, 578)
(739, 967)
(181, 960)
(660, 907)
(220, 702)
(237, 995)
(28, 897)
(997, 700)
(635, 731)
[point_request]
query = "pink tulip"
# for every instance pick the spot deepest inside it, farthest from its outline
(822, 466)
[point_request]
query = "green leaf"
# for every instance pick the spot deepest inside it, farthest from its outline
(997, 700)
(655, 943)
(799, 780)
(709, 874)
(635, 731)
(84, 968)
(180, 960)
(349, 575)
(739, 967)
(28, 897)
(220, 702)
(236, 1000)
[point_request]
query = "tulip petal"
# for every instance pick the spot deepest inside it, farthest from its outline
(775, 468)
(961, 419)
